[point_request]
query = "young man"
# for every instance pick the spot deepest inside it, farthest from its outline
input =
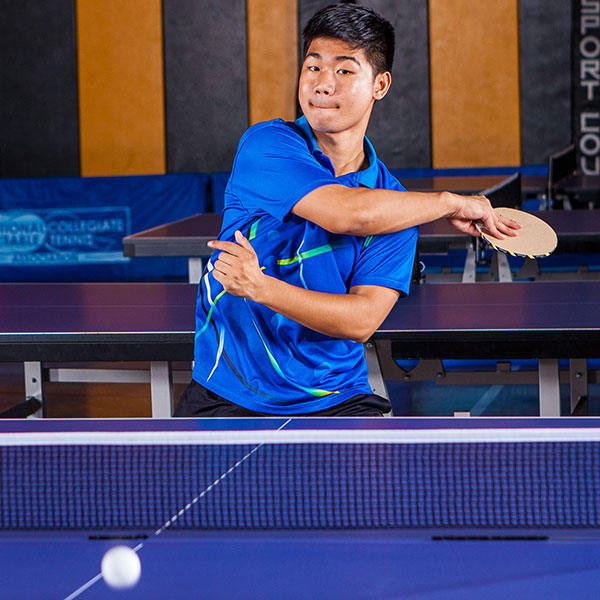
(317, 244)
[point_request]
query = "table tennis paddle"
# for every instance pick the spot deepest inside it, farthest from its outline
(535, 239)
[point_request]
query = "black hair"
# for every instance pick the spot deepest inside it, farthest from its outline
(358, 26)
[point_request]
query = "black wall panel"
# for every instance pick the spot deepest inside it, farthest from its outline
(39, 132)
(400, 127)
(545, 78)
(206, 80)
(306, 9)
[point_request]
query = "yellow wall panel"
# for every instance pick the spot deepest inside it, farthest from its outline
(272, 59)
(474, 65)
(121, 93)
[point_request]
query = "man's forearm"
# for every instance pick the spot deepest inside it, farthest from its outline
(387, 211)
(355, 315)
(363, 211)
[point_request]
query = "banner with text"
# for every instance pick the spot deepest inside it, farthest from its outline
(71, 228)
(63, 236)
(586, 84)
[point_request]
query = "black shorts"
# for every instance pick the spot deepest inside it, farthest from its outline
(197, 401)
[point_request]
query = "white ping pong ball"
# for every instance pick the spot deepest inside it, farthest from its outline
(121, 567)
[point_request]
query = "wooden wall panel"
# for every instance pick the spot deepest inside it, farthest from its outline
(121, 91)
(474, 83)
(272, 59)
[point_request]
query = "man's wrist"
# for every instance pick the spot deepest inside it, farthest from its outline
(450, 204)
(263, 291)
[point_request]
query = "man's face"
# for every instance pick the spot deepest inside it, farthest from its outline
(337, 88)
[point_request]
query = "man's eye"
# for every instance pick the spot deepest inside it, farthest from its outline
(344, 71)
(313, 68)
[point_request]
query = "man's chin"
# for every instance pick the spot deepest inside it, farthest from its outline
(323, 124)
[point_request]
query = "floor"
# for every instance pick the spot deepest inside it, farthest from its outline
(417, 398)
(81, 400)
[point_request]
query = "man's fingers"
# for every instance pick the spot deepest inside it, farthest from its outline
(471, 229)
(219, 276)
(502, 227)
(491, 225)
(242, 241)
(237, 248)
(465, 226)
(229, 247)
(476, 210)
(508, 226)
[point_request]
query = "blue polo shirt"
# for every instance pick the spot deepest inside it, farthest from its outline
(248, 353)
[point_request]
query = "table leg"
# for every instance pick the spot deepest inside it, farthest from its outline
(194, 269)
(161, 389)
(549, 387)
(34, 391)
(502, 267)
(470, 271)
(578, 375)
(376, 381)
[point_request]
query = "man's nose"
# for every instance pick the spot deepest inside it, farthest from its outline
(325, 84)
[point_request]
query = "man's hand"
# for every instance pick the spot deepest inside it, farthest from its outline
(472, 209)
(237, 268)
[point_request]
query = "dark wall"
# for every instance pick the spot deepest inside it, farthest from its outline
(206, 83)
(401, 124)
(545, 78)
(39, 133)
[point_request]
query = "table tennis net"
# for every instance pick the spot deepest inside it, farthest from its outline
(319, 485)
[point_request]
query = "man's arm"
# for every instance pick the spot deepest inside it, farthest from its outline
(353, 316)
(363, 211)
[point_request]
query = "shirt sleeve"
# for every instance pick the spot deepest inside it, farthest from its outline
(387, 260)
(274, 169)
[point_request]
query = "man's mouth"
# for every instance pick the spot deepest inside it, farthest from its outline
(325, 106)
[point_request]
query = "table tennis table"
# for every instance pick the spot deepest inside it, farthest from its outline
(531, 185)
(585, 187)
(577, 190)
(436, 509)
(518, 320)
(98, 322)
(578, 232)
(76, 322)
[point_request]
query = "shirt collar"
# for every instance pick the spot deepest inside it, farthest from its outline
(367, 177)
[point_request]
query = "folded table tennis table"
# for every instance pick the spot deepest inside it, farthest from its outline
(578, 231)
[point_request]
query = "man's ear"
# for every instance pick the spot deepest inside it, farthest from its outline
(383, 81)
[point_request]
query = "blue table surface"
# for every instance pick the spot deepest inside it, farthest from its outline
(339, 565)
(306, 423)
(323, 564)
